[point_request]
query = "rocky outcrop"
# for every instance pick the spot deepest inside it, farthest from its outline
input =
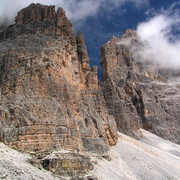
(137, 93)
(36, 13)
(50, 98)
(67, 164)
(82, 52)
(40, 19)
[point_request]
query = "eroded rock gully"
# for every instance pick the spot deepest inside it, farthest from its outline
(50, 98)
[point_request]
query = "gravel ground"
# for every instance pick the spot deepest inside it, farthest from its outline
(150, 158)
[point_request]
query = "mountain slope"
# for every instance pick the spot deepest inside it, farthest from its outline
(150, 158)
(15, 165)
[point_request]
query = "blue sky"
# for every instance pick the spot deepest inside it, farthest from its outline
(100, 28)
(99, 20)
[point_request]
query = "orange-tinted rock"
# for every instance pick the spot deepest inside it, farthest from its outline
(63, 25)
(36, 13)
(39, 19)
(67, 164)
(82, 52)
(48, 101)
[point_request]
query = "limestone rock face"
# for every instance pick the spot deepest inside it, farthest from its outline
(82, 52)
(36, 13)
(50, 98)
(67, 164)
(40, 19)
(137, 93)
(63, 25)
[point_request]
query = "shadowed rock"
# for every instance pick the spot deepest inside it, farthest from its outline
(138, 93)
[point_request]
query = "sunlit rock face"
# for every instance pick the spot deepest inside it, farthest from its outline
(50, 98)
(139, 93)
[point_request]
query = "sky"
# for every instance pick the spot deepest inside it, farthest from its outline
(155, 21)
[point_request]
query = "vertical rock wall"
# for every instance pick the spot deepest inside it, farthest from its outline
(137, 93)
(50, 98)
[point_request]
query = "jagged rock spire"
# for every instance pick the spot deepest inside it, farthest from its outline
(82, 51)
(63, 25)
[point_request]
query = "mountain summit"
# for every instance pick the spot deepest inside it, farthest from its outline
(51, 99)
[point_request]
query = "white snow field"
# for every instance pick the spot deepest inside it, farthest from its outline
(150, 158)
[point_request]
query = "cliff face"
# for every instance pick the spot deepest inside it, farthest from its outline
(137, 93)
(50, 98)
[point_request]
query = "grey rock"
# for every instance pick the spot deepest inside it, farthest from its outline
(48, 100)
(138, 93)
(67, 164)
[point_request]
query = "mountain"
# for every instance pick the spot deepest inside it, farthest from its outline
(151, 157)
(53, 106)
(142, 93)
(50, 97)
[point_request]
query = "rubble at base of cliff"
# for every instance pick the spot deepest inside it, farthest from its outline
(150, 157)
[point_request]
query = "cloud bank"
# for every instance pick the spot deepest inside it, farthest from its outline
(160, 36)
(76, 10)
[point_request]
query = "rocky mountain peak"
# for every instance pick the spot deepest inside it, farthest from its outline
(130, 33)
(40, 19)
(82, 52)
(61, 13)
(51, 98)
(142, 95)
(36, 13)
(63, 25)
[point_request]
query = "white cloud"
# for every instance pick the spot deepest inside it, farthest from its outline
(76, 10)
(137, 3)
(162, 46)
(159, 39)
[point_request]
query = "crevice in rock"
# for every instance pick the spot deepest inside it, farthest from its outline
(138, 102)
